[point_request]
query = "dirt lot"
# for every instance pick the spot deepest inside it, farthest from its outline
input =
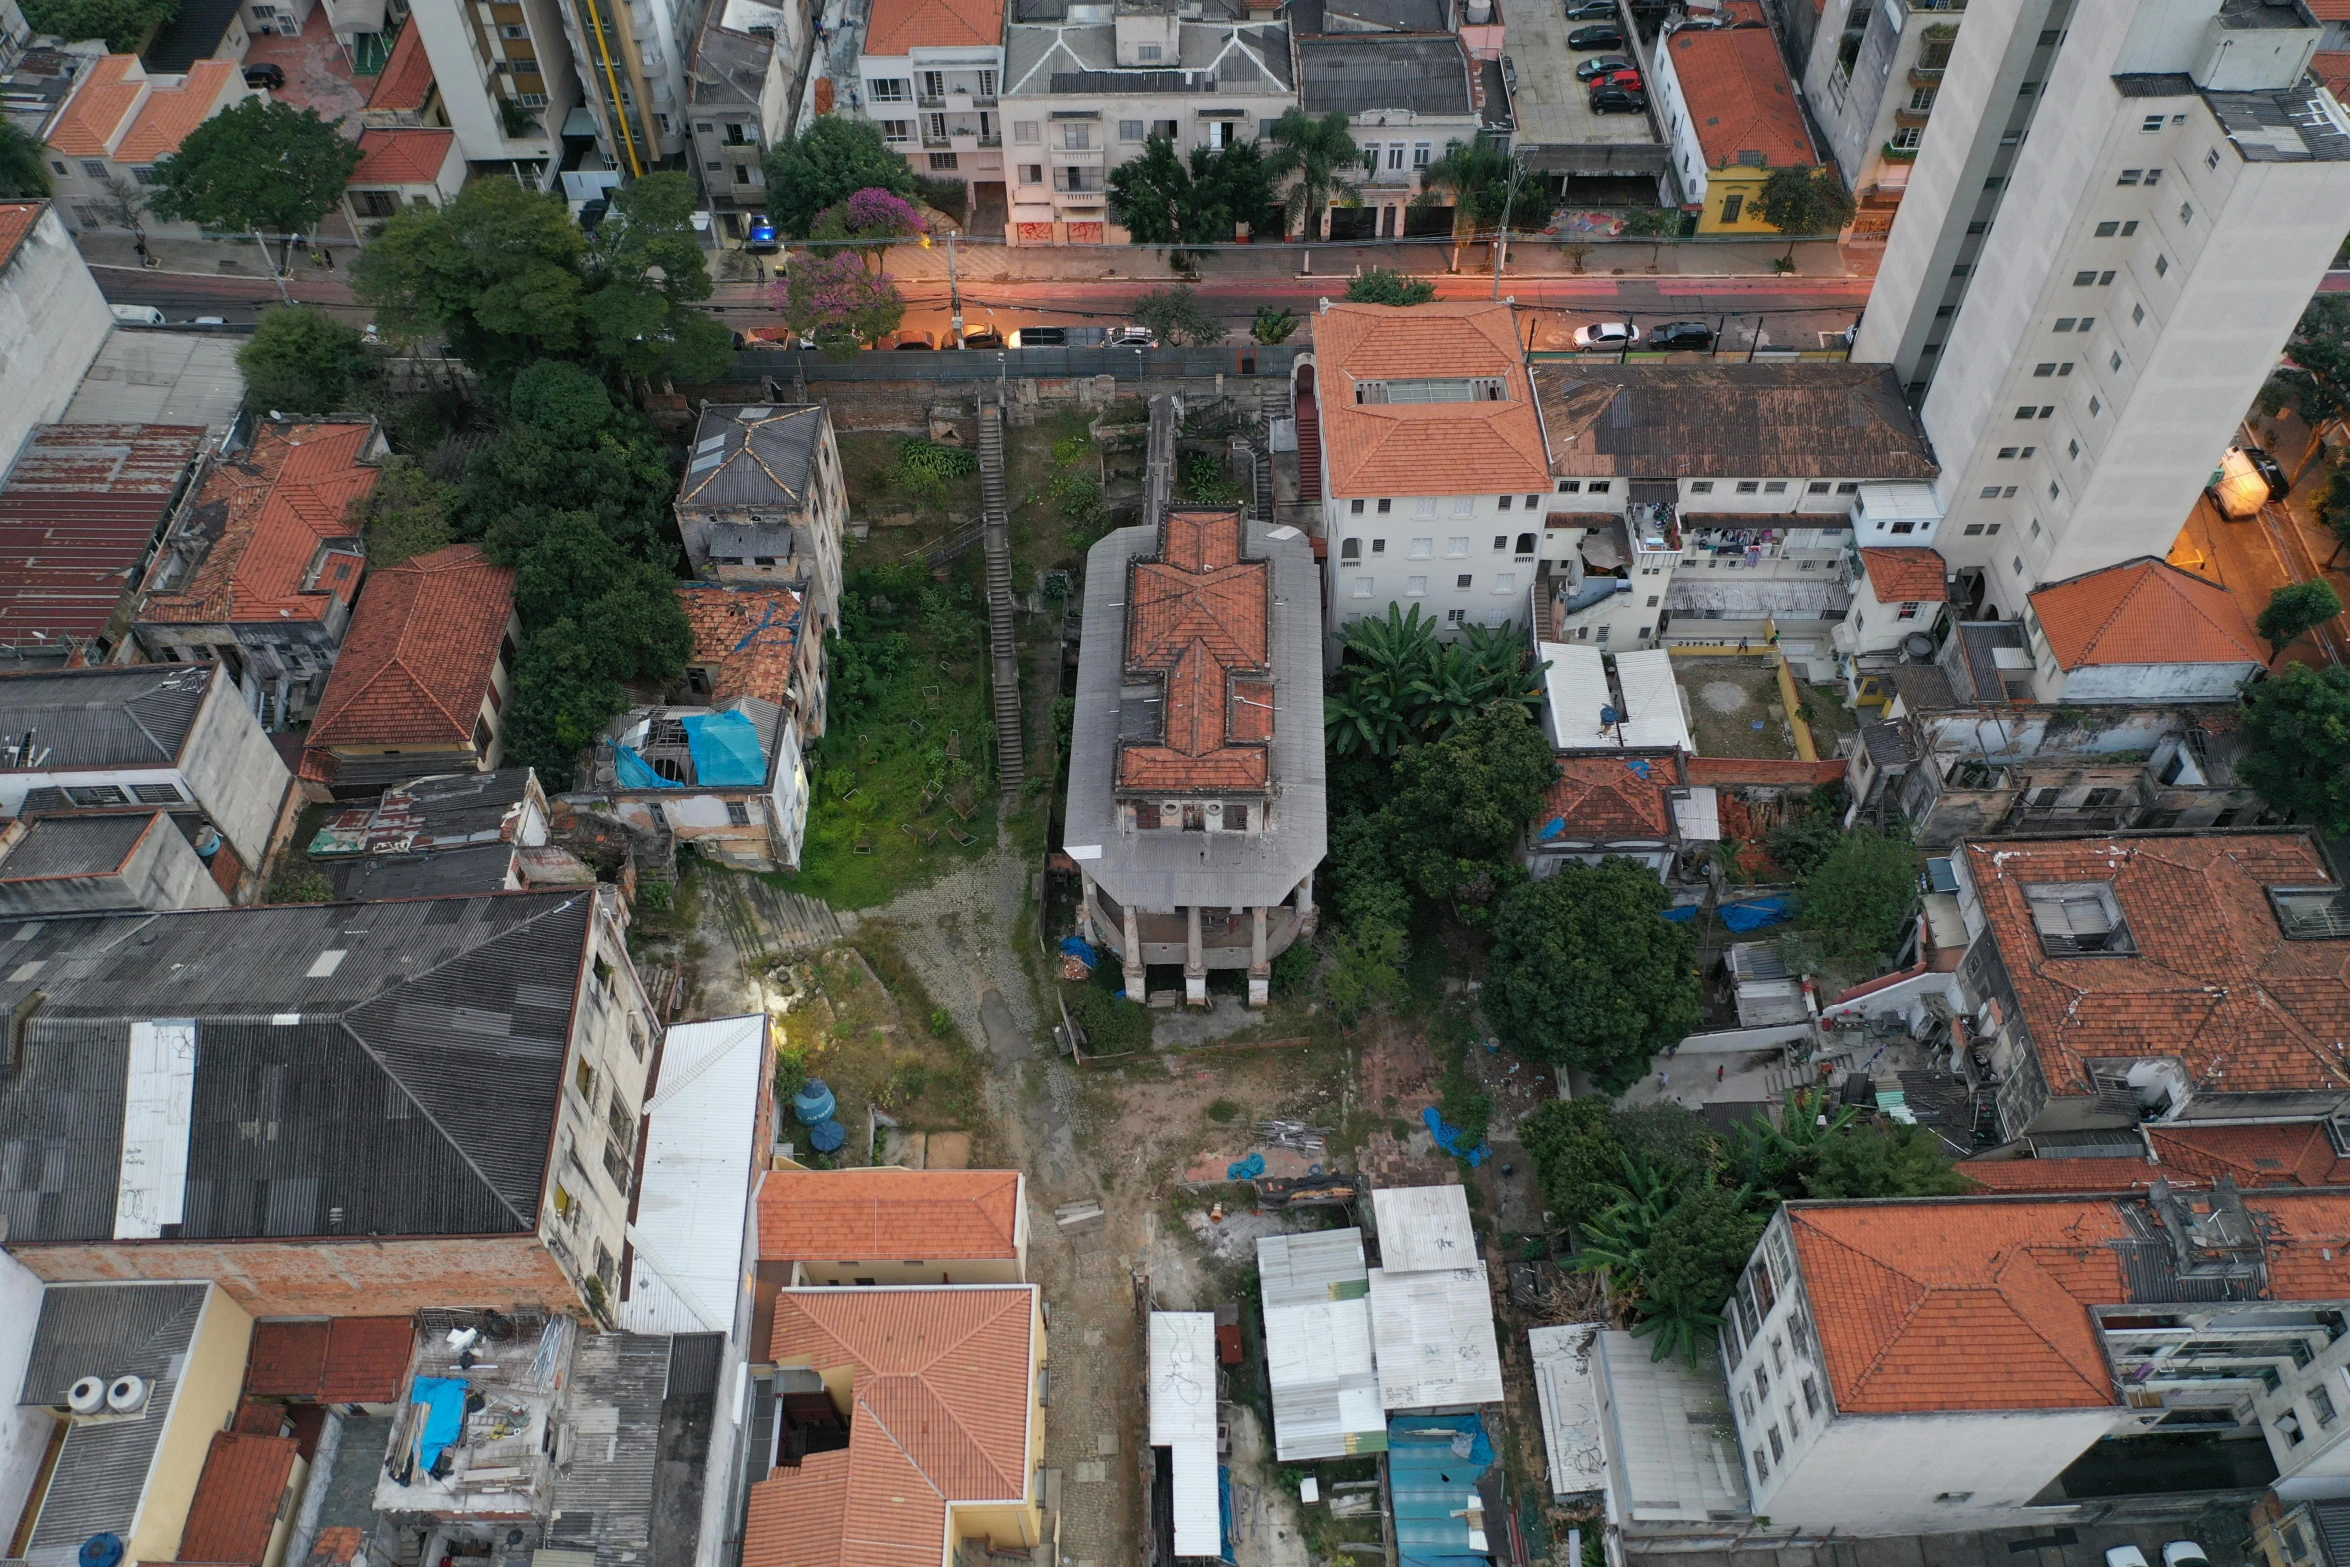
(1734, 707)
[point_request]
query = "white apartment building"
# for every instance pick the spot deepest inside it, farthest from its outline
(931, 72)
(632, 57)
(2120, 214)
(499, 75)
(1085, 93)
(1871, 79)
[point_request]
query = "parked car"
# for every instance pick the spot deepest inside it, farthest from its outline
(1607, 35)
(1618, 100)
(762, 240)
(907, 340)
(1041, 337)
(1591, 10)
(1629, 80)
(2184, 1553)
(1591, 70)
(1682, 334)
(2278, 488)
(2125, 1556)
(266, 75)
(987, 337)
(138, 315)
(1130, 337)
(1607, 334)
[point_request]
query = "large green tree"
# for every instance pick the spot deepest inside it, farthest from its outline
(1461, 803)
(124, 24)
(405, 515)
(2298, 721)
(828, 162)
(1884, 1159)
(1400, 683)
(1179, 316)
(1801, 203)
(567, 446)
(1169, 198)
(497, 272)
(24, 170)
(1313, 155)
(646, 273)
(1855, 908)
(261, 167)
(1587, 971)
(2295, 609)
(2316, 371)
(1484, 183)
(304, 361)
(1577, 1156)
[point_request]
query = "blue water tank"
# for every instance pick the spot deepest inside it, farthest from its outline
(827, 1136)
(102, 1550)
(813, 1103)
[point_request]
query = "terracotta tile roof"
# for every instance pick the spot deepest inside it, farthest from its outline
(2308, 1243)
(941, 1383)
(1604, 798)
(402, 157)
(2071, 1175)
(2145, 611)
(273, 516)
(745, 637)
(286, 1359)
(2286, 1154)
(1729, 771)
(171, 112)
(344, 1543)
(1739, 96)
(1199, 620)
(2213, 982)
(16, 221)
(1912, 1306)
(2330, 11)
(78, 514)
(900, 26)
(1466, 448)
(407, 79)
(844, 1215)
(420, 654)
(237, 1499)
(1907, 576)
(348, 1360)
(108, 92)
(1710, 421)
(2332, 66)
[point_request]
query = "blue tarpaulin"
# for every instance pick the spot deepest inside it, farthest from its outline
(1754, 915)
(635, 772)
(1450, 1138)
(1224, 1506)
(1433, 1465)
(1081, 949)
(726, 749)
(1247, 1169)
(443, 1399)
(1553, 828)
(1638, 765)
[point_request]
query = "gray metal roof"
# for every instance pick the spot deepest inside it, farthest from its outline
(753, 455)
(605, 1492)
(1794, 421)
(1211, 57)
(1671, 1447)
(370, 878)
(729, 68)
(407, 1087)
(157, 377)
(1168, 870)
(1311, 17)
(1364, 73)
(137, 716)
(2290, 125)
(75, 846)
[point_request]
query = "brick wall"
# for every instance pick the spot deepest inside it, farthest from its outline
(359, 1277)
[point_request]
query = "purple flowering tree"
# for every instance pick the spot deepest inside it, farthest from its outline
(870, 219)
(831, 298)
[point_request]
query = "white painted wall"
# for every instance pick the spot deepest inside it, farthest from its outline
(24, 1433)
(1888, 1474)
(1421, 547)
(53, 321)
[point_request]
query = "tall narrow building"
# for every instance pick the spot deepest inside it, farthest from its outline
(2118, 213)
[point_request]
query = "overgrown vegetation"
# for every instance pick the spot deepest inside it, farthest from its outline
(304, 361)
(1386, 286)
(2298, 722)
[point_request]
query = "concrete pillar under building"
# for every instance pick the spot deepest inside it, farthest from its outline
(1133, 955)
(1195, 967)
(1260, 970)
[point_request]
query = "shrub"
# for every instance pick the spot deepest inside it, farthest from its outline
(924, 468)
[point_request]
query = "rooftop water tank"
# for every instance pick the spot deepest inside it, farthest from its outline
(813, 1103)
(827, 1136)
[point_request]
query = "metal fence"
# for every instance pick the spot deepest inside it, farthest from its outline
(988, 364)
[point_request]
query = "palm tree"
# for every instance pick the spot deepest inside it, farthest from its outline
(1316, 151)
(1479, 175)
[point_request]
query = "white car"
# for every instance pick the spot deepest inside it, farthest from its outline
(2184, 1553)
(2125, 1556)
(1607, 334)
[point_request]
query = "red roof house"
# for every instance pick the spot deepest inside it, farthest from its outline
(1199, 621)
(895, 1226)
(241, 1499)
(2144, 631)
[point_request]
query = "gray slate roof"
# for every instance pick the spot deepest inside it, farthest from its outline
(729, 68)
(414, 1087)
(128, 717)
(759, 456)
(1308, 17)
(1788, 421)
(372, 878)
(76, 846)
(1365, 72)
(1242, 61)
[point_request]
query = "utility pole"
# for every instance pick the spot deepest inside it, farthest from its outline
(275, 276)
(1501, 240)
(954, 289)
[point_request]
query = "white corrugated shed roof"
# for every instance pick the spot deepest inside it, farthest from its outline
(1652, 701)
(1424, 1227)
(1318, 1345)
(686, 1245)
(1570, 1407)
(1700, 815)
(1576, 683)
(1431, 1309)
(1183, 1420)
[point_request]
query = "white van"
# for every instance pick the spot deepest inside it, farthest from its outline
(138, 315)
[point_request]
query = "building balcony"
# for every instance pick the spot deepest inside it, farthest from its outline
(938, 143)
(1893, 154)
(1911, 119)
(1924, 75)
(927, 101)
(991, 141)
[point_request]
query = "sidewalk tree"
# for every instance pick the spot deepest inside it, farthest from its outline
(497, 271)
(260, 166)
(2298, 722)
(1856, 904)
(828, 162)
(1313, 155)
(1274, 324)
(869, 221)
(2333, 511)
(835, 301)
(124, 24)
(647, 270)
(304, 361)
(2294, 609)
(2316, 371)
(1803, 202)
(1587, 971)
(1180, 317)
(1485, 183)
(1386, 286)
(125, 204)
(24, 169)
(1177, 200)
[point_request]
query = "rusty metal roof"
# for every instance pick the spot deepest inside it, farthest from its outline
(78, 512)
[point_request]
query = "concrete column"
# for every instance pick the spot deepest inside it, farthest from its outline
(1085, 909)
(1195, 966)
(1133, 955)
(1308, 917)
(1260, 969)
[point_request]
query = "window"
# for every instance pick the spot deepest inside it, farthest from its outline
(1505, 582)
(1921, 100)
(583, 1078)
(1463, 505)
(1455, 548)
(2073, 450)
(1032, 174)
(1130, 130)
(1954, 1497)
(1362, 588)
(1816, 487)
(2027, 411)
(1973, 528)
(2008, 494)
(1811, 1396)
(2066, 368)
(1848, 487)
(738, 813)
(1904, 527)
(2045, 369)
(2154, 176)
(1395, 151)
(1774, 486)
(891, 130)
(2152, 122)
(1455, 617)
(1503, 504)
(2094, 407)
(1378, 546)
(1732, 205)
(1425, 506)
(1701, 486)
(940, 163)
(1746, 1405)
(2084, 279)
(1385, 507)
(1354, 509)
(2186, 212)
(1351, 549)
(2108, 229)
(1164, 129)
(1762, 1465)
(1462, 582)
(1076, 136)
(1778, 1446)
(1525, 549)
(1416, 587)
(1501, 541)
(1148, 54)
(1762, 1383)
(2051, 496)
(1600, 486)
(1748, 486)
(2064, 323)
(2311, 913)
(1990, 493)
(2078, 917)
(1422, 549)
(2130, 176)
(93, 169)
(2162, 266)
(1422, 153)
(1024, 130)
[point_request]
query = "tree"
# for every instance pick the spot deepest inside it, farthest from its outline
(2298, 723)
(646, 270)
(2316, 372)
(1856, 906)
(1386, 286)
(1577, 1156)
(1179, 316)
(1804, 202)
(496, 271)
(828, 162)
(262, 167)
(1461, 803)
(835, 301)
(1485, 183)
(2295, 608)
(870, 221)
(1172, 199)
(1366, 971)
(1884, 1159)
(1802, 843)
(1691, 1266)
(1311, 154)
(1273, 324)
(1586, 970)
(124, 24)
(563, 697)
(125, 204)
(405, 515)
(2333, 510)
(1669, 1137)
(568, 447)
(302, 360)
(24, 170)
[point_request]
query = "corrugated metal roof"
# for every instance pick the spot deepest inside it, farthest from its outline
(81, 507)
(1652, 700)
(1433, 1466)
(129, 716)
(1570, 1407)
(75, 846)
(1423, 1227)
(605, 1483)
(1183, 1419)
(1433, 1334)
(759, 455)
(687, 1236)
(1318, 1345)
(1672, 1452)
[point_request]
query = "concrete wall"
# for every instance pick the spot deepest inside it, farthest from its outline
(357, 1276)
(24, 1432)
(209, 1385)
(53, 321)
(936, 1270)
(2143, 682)
(163, 872)
(612, 1037)
(1886, 1474)
(233, 770)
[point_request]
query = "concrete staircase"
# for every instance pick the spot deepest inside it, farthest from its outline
(1011, 746)
(1309, 449)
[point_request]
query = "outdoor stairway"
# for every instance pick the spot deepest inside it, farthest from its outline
(1261, 470)
(1309, 449)
(1011, 749)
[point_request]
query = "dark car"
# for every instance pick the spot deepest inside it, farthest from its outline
(265, 75)
(1043, 337)
(1606, 63)
(1682, 334)
(1618, 100)
(2266, 466)
(762, 240)
(988, 338)
(1591, 10)
(1606, 35)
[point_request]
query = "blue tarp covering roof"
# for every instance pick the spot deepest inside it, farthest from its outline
(443, 1399)
(726, 749)
(1433, 1465)
(1753, 914)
